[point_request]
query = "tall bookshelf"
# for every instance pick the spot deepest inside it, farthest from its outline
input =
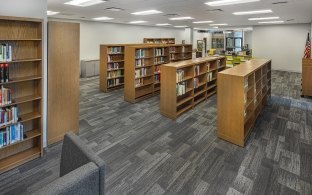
(25, 36)
(187, 83)
(112, 66)
(179, 52)
(159, 40)
(242, 94)
(142, 71)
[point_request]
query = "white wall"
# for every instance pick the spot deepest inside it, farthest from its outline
(248, 39)
(31, 9)
(92, 34)
(201, 36)
(284, 44)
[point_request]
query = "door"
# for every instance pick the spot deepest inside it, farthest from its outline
(63, 79)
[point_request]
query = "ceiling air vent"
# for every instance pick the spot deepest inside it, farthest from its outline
(214, 10)
(171, 15)
(114, 9)
(289, 20)
(279, 2)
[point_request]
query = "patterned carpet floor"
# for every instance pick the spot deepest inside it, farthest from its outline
(147, 153)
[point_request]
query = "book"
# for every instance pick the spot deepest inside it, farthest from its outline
(181, 88)
(11, 134)
(5, 53)
(180, 75)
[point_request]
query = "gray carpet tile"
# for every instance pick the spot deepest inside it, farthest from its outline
(147, 153)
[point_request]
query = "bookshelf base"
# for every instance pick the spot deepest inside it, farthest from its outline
(19, 159)
(232, 140)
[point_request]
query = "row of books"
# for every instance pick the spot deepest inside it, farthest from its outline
(157, 78)
(115, 50)
(157, 69)
(140, 72)
(115, 73)
(159, 51)
(112, 66)
(8, 116)
(11, 134)
(113, 58)
(5, 96)
(114, 82)
(4, 73)
(140, 53)
(138, 82)
(181, 88)
(5, 53)
(140, 62)
(180, 75)
(197, 70)
(159, 60)
(209, 76)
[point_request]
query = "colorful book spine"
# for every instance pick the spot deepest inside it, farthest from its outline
(5, 53)
(11, 134)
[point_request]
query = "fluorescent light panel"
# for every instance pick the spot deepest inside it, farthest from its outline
(264, 18)
(182, 18)
(165, 24)
(266, 11)
(202, 22)
(137, 22)
(148, 12)
(272, 22)
(84, 3)
(51, 13)
(218, 24)
(229, 2)
(103, 18)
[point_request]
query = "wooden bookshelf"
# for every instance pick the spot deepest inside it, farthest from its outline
(242, 94)
(25, 36)
(142, 71)
(159, 40)
(200, 81)
(306, 77)
(179, 52)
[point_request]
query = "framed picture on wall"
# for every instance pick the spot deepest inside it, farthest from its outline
(200, 45)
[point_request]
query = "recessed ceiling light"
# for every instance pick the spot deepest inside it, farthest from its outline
(218, 24)
(229, 2)
(272, 22)
(114, 9)
(164, 24)
(51, 13)
(182, 18)
(137, 22)
(147, 12)
(202, 22)
(266, 11)
(84, 3)
(264, 18)
(181, 26)
(215, 27)
(103, 18)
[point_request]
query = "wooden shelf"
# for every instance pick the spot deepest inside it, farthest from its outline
(143, 85)
(21, 100)
(232, 125)
(116, 61)
(211, 93)
(110, 70)
(121, 84)
(145, 66)
(144, 76)
(159, 40)
(171, 105)
(115, 53)
(25, 78)
(19, 158)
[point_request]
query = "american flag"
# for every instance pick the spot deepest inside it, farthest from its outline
(307, 51)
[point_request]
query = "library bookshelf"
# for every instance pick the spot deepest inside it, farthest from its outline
(24, 36)
(306, 77)
(242, 93)
(112, 62)
(187, 83)
(159, 40)
(180, 52)
(142, 70)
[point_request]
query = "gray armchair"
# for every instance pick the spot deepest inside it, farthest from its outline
(81, 171)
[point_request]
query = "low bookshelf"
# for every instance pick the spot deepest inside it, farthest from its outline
(242, 93)
(180, 52)
(142, 70)
(187, 83)
(159, 40)
(21, 81)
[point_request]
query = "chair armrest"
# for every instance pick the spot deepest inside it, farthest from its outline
(84, 180)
